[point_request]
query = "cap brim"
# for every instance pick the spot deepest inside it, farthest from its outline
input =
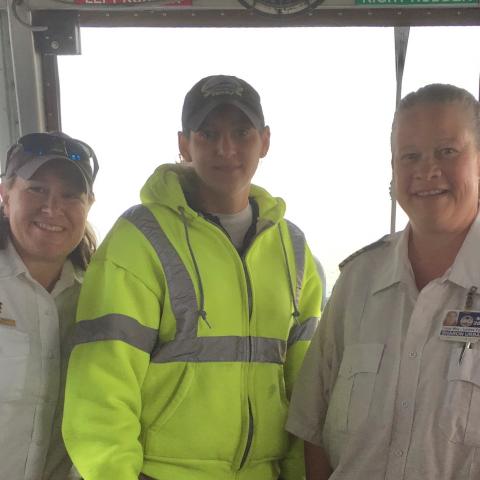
(198, 118)
(27, 170)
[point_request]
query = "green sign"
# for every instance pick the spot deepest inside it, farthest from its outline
(369, 3)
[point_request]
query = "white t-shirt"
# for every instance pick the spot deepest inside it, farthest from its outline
(236, 224)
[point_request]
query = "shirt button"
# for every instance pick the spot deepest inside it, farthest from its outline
(50, 354)
(404, 404)
(412, 354)
(399, 453)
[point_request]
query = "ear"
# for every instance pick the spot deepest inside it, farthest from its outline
(5, 198)
(91, 201)
(265, 136)
(392, 179)
(183, 147)
(392, 188)
(478, 173)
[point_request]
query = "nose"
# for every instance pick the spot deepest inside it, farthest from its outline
(428, 167)
(52, 204)
(226, 146)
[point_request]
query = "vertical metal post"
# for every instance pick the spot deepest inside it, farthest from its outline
(401, 42)
(51, 93)
(9, 121)
(27, 77)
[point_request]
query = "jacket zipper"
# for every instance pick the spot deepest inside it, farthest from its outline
(250, 415)
(249, 436)
(250, 310)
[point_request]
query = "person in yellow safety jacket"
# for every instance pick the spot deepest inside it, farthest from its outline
(195, 315)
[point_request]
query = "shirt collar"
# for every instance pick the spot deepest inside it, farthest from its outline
(11, 264)
(395, 266)
(465, 270)
(68, 277)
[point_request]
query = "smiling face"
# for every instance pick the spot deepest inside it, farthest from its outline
(47, 214)
(436, 163)
(224, 153)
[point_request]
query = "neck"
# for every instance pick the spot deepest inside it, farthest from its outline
(45, 272)
(431, 254)
(218, 203)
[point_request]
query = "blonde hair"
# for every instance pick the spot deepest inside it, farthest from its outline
(440, 93)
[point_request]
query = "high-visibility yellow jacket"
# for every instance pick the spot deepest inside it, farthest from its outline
(186, 351)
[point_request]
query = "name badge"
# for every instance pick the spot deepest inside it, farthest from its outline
(7, 321)
(461, 326)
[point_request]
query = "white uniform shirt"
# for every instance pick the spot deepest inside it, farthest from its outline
(379, 390)
(34, 348)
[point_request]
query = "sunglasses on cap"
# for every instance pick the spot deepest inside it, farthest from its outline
(50, 144)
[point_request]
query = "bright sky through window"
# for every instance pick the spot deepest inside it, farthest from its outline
(328, 95)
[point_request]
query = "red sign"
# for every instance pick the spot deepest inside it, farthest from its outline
(181, 3)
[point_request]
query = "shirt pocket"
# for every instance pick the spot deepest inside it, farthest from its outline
(460, 412)
(352, 394)
(14, 351)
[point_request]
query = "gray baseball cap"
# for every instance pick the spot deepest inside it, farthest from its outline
(34, 150)
(210, 92)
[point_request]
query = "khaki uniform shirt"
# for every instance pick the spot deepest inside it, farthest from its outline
(34, 347)
(379, 390)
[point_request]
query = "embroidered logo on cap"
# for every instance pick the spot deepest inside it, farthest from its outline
(214, 87)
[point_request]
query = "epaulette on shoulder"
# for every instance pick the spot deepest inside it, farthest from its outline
(367, 248)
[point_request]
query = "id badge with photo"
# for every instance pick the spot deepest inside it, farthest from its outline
(461, 326)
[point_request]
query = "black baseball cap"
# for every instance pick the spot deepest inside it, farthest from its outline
(32, 151)
(215, 90)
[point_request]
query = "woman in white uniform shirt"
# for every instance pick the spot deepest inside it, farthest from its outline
(381, 394)
(45, 246)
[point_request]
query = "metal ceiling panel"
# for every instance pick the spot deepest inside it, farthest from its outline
(225, 13)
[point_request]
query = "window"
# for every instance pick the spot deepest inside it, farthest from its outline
(328, 95)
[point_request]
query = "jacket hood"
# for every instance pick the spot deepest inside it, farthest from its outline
(168, 182)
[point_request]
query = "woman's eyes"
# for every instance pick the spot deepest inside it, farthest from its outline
(73, 196)
(410, 157)
(68, 195)
(206, 134)
(212, 134)
(448, 151)
(37, 189)
(243, 132)
(442, 152)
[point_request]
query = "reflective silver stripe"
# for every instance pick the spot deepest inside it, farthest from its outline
(304, 331)
(221, 349)
(323, 279)
(116, 327)
(180, 286)
(298, 242)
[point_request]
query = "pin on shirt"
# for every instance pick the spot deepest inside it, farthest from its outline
(462, 325)
(6, 321)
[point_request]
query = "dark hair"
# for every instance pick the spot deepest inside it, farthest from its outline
(80, 256)
(440, 93)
